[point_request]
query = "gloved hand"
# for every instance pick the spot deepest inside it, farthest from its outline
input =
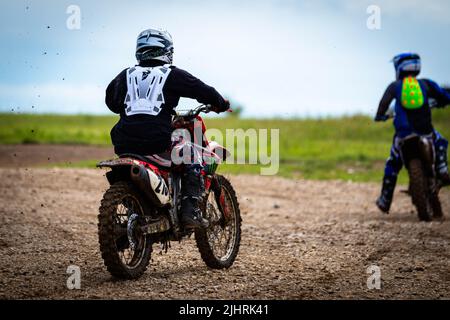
(380, 118)
(217, 109)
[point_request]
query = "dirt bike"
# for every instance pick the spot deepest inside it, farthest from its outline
(419, 157)
(142, 207)
(424, 185)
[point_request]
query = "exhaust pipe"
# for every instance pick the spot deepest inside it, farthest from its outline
(150, 184)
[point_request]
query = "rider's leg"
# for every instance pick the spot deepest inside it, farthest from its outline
(192, 187)
(393, 166)
(441, 147)
(191, 192)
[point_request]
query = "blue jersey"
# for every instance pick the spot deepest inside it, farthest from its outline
(417, 120)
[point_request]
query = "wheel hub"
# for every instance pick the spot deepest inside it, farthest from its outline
(131, 230)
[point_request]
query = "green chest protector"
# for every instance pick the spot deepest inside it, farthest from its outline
(412, 95)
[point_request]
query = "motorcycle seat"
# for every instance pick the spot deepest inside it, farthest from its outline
(161, 160)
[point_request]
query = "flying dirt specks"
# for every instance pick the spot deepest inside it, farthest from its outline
(321, 252)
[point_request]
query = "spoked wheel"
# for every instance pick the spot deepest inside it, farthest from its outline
(125, 250)
(219, 243)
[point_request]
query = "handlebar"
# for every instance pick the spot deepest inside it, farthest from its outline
(390, 114)
(206, 108)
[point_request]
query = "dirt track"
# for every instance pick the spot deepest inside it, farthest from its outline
(26, 155)
(301, 240)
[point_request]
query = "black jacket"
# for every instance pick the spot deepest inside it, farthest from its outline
(146, 134)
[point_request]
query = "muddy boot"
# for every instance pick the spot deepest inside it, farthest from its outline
(442, 165)
(387, 193)
(191, 192)
(445, 179)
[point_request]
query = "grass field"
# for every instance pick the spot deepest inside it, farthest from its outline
(349, 148)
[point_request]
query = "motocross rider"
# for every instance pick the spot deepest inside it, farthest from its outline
(412, 115)
(145, 97)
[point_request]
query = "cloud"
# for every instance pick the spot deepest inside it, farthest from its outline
(276, 58)
(419, 10)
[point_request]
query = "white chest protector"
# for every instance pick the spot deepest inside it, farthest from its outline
(145, 90)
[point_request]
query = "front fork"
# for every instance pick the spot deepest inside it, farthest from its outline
(220, 198)
(175, 190)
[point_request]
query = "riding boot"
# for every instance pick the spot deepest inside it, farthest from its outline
(387, 193)
(442, 164)
(191, 193)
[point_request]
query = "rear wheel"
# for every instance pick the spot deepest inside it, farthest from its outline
(419, 190)
(125, 250)
(219, 243)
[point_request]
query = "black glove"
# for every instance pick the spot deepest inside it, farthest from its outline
(380, 118)
(223, 108)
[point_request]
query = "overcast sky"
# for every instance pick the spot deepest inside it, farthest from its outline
(276, 58)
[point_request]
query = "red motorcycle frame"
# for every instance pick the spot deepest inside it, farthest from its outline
(153, 185)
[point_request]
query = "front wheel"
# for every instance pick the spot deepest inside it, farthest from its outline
(219, 243)
(437, 208)
(125, 250)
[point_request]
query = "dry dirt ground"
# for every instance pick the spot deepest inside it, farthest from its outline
(300, 240)
(37, 155)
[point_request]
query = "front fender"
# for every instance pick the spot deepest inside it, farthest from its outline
(218, 150)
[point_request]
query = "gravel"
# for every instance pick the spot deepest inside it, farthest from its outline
(301, 240)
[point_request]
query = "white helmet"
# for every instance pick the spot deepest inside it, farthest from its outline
(154, 44)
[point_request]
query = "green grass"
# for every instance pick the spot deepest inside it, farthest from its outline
(349, 148)
(55, 129)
